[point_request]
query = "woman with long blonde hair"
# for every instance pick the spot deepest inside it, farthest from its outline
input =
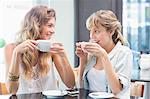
(30, 70)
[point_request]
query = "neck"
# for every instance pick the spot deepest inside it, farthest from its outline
(110, 47)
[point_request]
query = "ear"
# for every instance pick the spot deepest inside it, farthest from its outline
(112, 33)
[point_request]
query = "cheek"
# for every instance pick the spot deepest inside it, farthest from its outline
(100, 37)
(42, 36)
(103, 39)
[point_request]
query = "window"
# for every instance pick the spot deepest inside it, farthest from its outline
(136, 24)
(136, 27)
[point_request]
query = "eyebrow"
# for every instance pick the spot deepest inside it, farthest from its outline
(50, 24)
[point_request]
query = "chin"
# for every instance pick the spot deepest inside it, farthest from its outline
(46, 38)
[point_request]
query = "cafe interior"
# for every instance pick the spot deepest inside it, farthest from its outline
(71, 16)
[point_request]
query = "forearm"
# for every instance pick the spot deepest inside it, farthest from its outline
(13, 74)
(69, 77)
(65, 70)
(81, 71)
(14, 66)
(111, 76)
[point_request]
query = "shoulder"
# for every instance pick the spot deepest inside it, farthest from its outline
(10, 47)
(8, 51)
(124, 50)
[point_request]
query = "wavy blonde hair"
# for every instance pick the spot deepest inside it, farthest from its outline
(107, 19)
(31, 28)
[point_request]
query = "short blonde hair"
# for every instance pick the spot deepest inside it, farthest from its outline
(107, 19)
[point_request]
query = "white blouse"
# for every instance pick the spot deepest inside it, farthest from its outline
(121, 59)
(97, 80)
(37, 84)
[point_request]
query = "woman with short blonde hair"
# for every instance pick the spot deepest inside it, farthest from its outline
(105, 63)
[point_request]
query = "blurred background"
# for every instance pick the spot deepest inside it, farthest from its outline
(134, 16)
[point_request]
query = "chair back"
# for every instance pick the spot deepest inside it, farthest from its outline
(137, 89)
(3, 89)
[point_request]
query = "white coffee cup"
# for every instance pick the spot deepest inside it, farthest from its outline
(83, 45)
(44, 45)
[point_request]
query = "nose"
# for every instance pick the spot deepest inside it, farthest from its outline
(52, 30)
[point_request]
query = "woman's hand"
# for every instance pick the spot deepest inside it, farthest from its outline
(79, 52)
(28, 45)
(57, 48)
(95, 49)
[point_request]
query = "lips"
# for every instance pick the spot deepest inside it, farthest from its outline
(48, 34)
(98, 42)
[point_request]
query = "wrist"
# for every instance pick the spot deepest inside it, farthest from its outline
(83, 59)
(82, 64)
(16, 53)
(13, 76)
(102, 54)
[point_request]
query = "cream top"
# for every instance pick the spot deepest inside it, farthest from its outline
(37, 84)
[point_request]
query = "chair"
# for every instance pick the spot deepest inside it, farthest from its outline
(137, 89)
(3, 89)
(76, 74)
(76, 70)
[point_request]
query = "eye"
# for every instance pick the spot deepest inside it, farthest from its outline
(51, 25)
(96, 32)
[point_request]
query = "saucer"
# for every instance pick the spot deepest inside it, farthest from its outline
(54, 93)
(101, 95)
(5, 96)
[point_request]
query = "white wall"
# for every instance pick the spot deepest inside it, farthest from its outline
(65, 28)
(65, 24)
(11, 14)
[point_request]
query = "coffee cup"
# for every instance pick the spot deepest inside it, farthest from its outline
(83, 46)
(44, 45)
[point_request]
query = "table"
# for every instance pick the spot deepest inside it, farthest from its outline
(137, 75)
(83, 94)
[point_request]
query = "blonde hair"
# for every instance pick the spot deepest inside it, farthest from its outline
(31, 28)
(107, 19)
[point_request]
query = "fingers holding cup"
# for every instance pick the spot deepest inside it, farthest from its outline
(57, 48)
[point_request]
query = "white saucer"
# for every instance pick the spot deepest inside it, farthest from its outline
(54, 93)
(5, 96)
(101, 95)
